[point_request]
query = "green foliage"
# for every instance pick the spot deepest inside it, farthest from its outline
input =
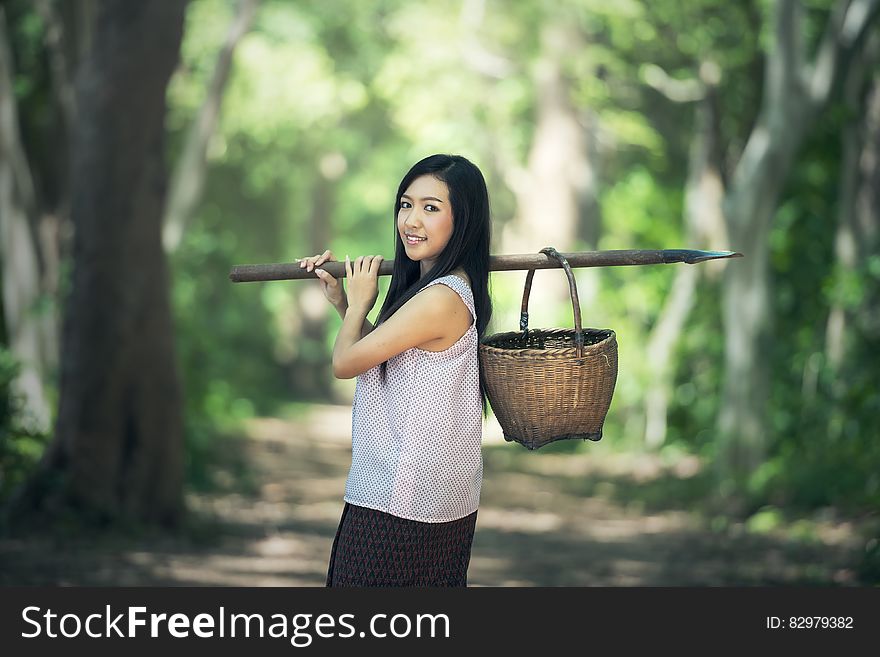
(329, 103)
(384, 86)
(699, 355)
(825, 421)
(20, 445)
(224, 341)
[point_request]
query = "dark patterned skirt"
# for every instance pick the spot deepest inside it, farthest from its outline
(373, 548)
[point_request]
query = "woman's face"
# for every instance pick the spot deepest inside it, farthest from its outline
(425, 212)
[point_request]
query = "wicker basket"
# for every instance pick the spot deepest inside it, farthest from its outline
(548, 385)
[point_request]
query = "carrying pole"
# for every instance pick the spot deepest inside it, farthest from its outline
(526, 261)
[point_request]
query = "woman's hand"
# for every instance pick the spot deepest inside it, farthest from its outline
(363, 281)
(330, 286)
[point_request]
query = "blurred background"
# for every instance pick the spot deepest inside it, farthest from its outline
(162, 425)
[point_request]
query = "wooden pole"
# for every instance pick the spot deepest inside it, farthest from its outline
(292, 271)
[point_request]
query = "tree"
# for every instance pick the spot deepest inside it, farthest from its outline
(188, 180)
(117, 448)
(558, 184)
(704, 226)
(858, 223)
(35, 190)
(29, 332)
(796, 90)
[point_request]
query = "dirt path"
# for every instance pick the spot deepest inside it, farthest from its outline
(548, 518)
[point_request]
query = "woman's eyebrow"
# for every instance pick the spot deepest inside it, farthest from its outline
(426, 198)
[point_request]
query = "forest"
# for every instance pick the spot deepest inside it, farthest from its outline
(172, 426)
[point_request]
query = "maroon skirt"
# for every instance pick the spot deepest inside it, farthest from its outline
(374, 548)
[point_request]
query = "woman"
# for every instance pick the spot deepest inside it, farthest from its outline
(413, 490)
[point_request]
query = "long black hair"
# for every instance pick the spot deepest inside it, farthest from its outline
(468, 246)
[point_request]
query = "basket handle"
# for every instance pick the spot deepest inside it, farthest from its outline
(524, 312)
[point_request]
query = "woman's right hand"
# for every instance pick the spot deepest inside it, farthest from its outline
(330, 286)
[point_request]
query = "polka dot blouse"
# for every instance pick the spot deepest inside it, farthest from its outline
(416, 438)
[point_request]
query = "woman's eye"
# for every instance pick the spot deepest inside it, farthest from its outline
(404, 204)
(431, 208)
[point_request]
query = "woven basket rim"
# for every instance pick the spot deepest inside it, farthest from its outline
(552, 330)
(561, 352)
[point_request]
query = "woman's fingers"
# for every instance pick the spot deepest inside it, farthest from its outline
(363, 265)
(324, 257)
(326, 278)
(314, 261)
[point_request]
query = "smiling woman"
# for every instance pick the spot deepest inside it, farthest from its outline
(414, 485)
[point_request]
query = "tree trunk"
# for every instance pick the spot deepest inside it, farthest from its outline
(795, 91)
(702, 220)
(68, 34)
(188, 180)
(557, 183)
(36, 207)
(310, 373)
(26, 327)
(867, 209)
(118, 445)
(750, 207)
(859, 201)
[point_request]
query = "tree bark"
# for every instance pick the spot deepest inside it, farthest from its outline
(118, 449)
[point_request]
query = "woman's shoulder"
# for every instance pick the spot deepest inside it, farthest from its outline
(458, 274)
(454, 294)
(458, 281)
(448, 307)
(463, 276)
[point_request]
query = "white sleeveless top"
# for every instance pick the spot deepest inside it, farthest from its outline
(416, 438)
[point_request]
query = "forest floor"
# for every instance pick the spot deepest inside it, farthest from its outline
(555, 517)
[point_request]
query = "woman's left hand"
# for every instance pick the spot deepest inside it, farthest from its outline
(363, 281)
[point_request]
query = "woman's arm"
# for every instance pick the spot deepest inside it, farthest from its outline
(434, 313)
(330, 286)
(342, 309)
